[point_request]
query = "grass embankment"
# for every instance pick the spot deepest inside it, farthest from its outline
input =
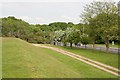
(23, 60)
(104, 57)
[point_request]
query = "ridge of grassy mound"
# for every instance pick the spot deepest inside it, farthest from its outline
(23, 60)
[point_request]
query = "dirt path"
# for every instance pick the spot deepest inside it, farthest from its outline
(91, 62)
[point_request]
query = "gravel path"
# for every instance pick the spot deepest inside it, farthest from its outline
(91, 62)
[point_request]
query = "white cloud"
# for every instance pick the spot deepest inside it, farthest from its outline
(71, 19)
(43, 0)
(55, 0)
(25, 17)
(41, 20)
(32, 20)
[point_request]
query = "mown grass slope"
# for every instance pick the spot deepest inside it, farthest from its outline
(23, 60)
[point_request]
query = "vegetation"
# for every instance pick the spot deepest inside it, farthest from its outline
(99, 25)
(21, 59)
(102, 20)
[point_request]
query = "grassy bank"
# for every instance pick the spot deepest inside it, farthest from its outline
(23, 60)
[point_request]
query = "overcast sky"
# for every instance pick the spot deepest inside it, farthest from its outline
(44, 11)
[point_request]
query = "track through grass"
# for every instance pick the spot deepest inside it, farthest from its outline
(104, 57)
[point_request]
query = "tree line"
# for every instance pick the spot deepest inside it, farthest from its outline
(99, 24)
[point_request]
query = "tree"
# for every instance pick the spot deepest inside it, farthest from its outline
(70, 24)
(108, 27)
(58, 26)
(101, 16)
(93, 30)
(59, 36)
(85, 39)
(12, 27)
(72, 36)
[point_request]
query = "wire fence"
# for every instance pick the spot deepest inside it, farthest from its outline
(100, 48)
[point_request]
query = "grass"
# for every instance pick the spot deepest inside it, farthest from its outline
(104, 57)
(23, 60)
(103, 45)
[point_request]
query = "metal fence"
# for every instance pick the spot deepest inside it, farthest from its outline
(101, 48)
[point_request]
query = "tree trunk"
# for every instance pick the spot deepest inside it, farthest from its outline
(93, 44)
(85, 46)
(64, 44)
(27, 39)
(71, 45)
(54, 43)
(107, 44)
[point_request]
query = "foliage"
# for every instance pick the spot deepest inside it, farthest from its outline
(99, 22)
(102, 20)
(85, 39)
(59, 35)
(58, 26)
(72, 35)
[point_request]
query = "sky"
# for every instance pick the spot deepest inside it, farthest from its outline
(44, 11)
